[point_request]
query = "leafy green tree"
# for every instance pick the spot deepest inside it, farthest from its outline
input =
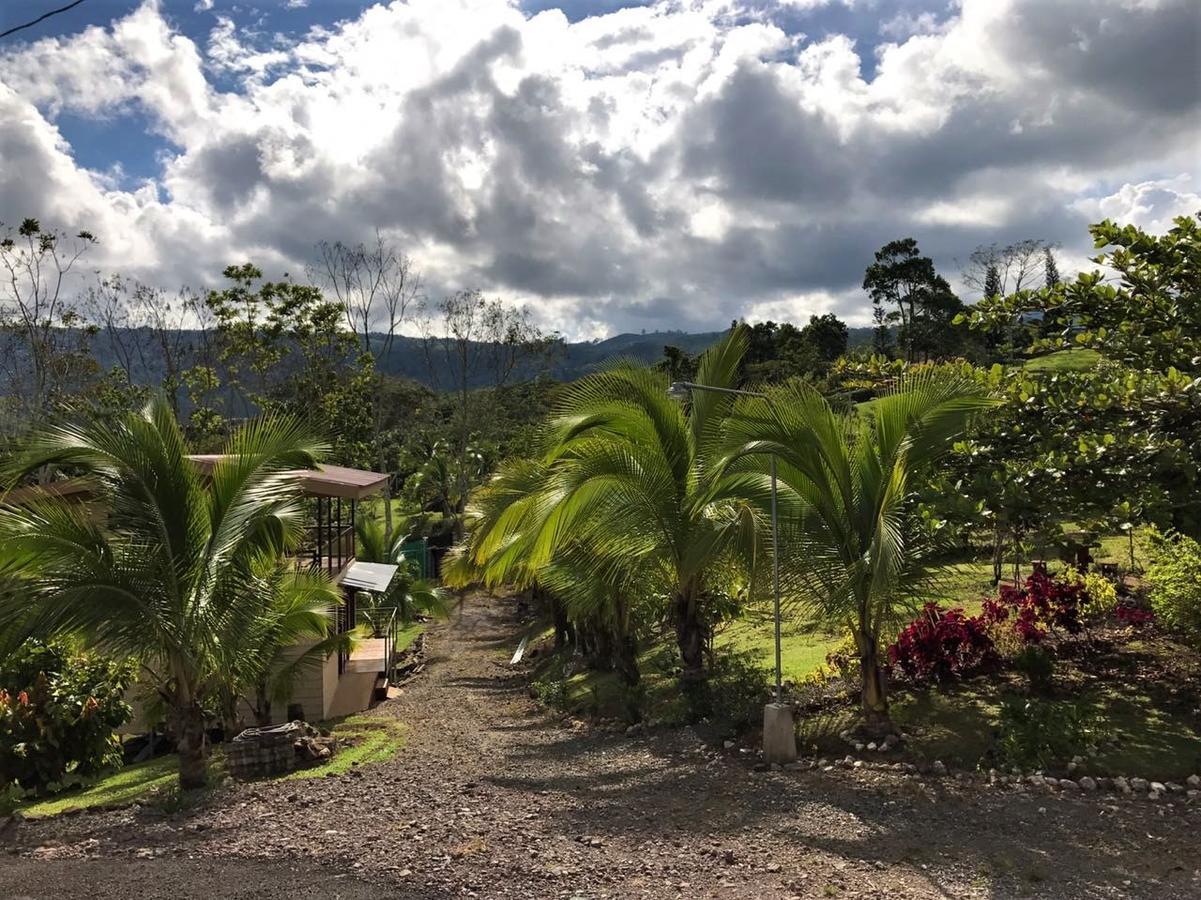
(170, 572)
(283, 348)
(849, 547)
(907, 292)
(1148, 319)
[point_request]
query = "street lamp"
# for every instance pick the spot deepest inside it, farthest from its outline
(779, 735)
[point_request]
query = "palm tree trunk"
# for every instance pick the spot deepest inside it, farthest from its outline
(189, 727)
(625, 659)
(875, 691)
(690, 636)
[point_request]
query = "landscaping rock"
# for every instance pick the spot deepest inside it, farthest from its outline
(939, 768)
(1193, 781)
(1139, 785)
(1122, 785)
(1088, 784)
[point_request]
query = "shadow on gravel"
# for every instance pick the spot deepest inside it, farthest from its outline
(653, 791)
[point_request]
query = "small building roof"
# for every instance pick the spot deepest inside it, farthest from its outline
(76, 489)
(367, 576)
(324, 481)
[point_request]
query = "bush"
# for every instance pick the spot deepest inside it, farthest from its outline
(57, 715)
(1037, 665)
(737, 690)
(1102, 595)
(1042, 734)
(942, 644)
(1175, 580)
(1042, 605)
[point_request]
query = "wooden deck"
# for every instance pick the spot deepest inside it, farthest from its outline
(368, 656)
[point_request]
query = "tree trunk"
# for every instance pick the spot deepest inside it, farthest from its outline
(562, 625)
(191, 739)
(875, 690)
(625, 659)
(690, 636)
(998, 554)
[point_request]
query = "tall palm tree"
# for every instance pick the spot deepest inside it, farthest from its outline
(170, 570)
(848, 547)
(635, 480)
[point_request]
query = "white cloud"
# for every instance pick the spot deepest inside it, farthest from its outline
(1149, 204)
(672, 165)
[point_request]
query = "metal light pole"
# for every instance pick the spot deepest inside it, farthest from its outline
(779, 733)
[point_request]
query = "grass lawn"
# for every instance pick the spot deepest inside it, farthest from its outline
(365, 740)
(124, 786)
(408, 634)
(1071, 360)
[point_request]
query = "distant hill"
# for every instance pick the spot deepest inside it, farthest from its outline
(408, 357)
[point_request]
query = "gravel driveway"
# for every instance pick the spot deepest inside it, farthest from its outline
(493, 797)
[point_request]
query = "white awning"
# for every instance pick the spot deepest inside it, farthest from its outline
(367, 576)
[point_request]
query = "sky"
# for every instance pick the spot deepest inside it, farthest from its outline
(613, 166)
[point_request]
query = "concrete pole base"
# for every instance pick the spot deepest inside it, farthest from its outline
(779, 734)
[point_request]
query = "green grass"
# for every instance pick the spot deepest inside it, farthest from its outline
(366, 740)
(134, 782)
(408, 634)
(802, 649)
(1072, 360)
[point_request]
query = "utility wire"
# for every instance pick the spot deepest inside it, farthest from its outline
(41, 18)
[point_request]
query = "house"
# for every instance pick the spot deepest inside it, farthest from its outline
(342, 683)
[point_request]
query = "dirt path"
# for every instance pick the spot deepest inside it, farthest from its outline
(492, 797)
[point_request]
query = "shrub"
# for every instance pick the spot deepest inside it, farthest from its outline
(942, 644)
(843, 660)
(1137, 616)
(1041, 734)
(1175, 580)
(1102, 595)
(1037, 665)
(57, 714)
(1042, 605)
(737, 689)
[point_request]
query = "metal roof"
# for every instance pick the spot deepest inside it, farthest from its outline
(324, 481)
(367, 576)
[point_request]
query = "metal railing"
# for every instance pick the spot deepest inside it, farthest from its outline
(384, 622)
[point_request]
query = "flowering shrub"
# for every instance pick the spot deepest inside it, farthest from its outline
(942, 644)
(57, 714)
(1041, 605)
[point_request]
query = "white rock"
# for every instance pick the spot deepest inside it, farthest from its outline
(1088, 784)
(1139, 784)
(1158, 786)
(939, 768)
(1193, 781)
(1122, 785)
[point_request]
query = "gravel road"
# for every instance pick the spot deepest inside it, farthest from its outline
(494, 797)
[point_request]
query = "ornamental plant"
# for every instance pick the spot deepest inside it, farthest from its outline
(1042, 605)
(940, 645)
(58, 711)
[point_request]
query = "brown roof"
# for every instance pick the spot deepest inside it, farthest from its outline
(78, 489)
(324, 481)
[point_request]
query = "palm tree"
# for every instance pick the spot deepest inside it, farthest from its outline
(266, 645)
(848, 548)
(631, 491)
(176, 563)
(411, 596)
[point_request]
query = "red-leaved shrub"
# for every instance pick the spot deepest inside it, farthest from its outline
(1042, 605)
(942, 644)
